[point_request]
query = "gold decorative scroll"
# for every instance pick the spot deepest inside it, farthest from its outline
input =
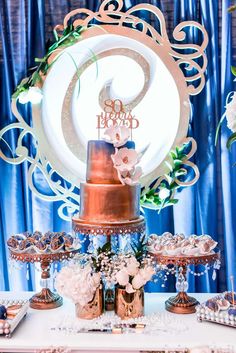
(110, 13)
(110, 19)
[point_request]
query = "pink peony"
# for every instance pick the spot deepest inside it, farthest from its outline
(130, 177)
(117, 135)
(122, 277)
(125, 159)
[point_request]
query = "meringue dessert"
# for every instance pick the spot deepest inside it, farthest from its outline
(179, 245)
(37, 242)
(218, 310)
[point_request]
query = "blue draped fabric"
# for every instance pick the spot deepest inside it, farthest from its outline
(208, 207)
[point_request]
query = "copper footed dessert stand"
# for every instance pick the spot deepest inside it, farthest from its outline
(46, 299)
(182, 303)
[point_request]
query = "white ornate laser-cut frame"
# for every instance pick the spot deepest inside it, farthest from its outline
(112, 20)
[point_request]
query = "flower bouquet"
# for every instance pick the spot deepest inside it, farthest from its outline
(80, 282)
(129, 275)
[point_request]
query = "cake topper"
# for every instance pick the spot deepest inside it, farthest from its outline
(115, 114)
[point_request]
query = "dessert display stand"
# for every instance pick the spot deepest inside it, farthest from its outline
(46, 299)
(182, 303)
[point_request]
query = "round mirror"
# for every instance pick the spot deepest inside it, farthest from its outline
(142, 76)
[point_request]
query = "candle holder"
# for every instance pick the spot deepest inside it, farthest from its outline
(182, 303)
(46, 299)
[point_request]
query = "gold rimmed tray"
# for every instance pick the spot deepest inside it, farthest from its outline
(43, 257)
(185, 260)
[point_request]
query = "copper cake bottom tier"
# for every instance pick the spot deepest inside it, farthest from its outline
(108, 228)
(109, 202)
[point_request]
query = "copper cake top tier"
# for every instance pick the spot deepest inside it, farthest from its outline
(100, 168)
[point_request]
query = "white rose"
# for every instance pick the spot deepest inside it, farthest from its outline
(122, 277)
(132, 266)
(147, 272)
(164, 193)
(129, 288)
(33, 95)
(231, 113)
(138, 281)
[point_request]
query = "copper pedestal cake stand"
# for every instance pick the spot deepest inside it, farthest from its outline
(182, 303)
(46, 299)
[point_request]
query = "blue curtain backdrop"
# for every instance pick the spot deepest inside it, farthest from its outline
(208, 207)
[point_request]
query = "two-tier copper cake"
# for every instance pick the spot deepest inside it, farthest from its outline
(107, 207)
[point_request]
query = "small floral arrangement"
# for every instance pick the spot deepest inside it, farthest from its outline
(230, 116)
(163, 195)
(78, 282)
(29, 89)
(127, 271)
(125, 159)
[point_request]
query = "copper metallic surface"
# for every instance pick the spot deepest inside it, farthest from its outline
(129, 305)
(100, 167)
(93, 309)
(109, 202)
(108, 228)
(46, 299)
(187, 260)
(182, 303)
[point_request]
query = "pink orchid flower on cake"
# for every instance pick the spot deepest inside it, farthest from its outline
(130, 177)
(117, 135)
(125, 159)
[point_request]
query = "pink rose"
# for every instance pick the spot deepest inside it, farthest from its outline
(138, 281)
(117, 135)
(147, 272)
(132, 266)
(125, 159)
(122, 277)
(129, 288)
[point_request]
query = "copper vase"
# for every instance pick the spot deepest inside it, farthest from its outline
(92, 309)
(129, 305)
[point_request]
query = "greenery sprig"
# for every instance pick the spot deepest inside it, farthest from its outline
(163, 196)
(70, 36)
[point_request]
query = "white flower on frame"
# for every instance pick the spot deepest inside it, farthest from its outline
(33, 95)
(230, 112)
(164, 193)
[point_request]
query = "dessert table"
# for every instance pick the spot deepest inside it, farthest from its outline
(35, 333)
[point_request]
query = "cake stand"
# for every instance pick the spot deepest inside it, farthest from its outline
(46, 299)
(182, 303)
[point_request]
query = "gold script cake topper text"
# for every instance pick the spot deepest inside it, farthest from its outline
(114, 114)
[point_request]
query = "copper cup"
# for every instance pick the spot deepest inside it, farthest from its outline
(92, 309)
(129, 305)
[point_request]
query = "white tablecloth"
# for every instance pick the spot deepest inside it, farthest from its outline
(35, 334)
